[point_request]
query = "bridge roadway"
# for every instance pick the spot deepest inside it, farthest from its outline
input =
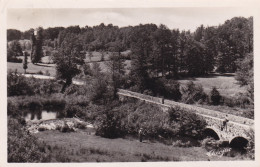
(237, 127)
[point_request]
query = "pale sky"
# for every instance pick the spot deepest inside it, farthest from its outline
(182, 18)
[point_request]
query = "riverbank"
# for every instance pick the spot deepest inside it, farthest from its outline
(82, 146)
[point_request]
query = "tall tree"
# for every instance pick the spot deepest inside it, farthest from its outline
(162, 48)
(25, 62)
(141, 43)
(68, 58)
(37, 42)
(116, 69)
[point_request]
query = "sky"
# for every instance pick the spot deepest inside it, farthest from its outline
(181, 18)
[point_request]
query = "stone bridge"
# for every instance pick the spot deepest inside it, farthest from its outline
(235, 133)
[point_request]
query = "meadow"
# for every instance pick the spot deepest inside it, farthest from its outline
(226, 84)
(83, 146)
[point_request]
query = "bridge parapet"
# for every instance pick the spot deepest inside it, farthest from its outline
(236, 127)
(199, 110)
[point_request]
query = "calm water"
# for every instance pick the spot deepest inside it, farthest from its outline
(40, 115)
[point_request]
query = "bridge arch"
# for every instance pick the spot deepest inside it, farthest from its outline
(238, 142)
(211, 132)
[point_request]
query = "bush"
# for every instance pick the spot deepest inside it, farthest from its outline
(128, 118)
(187, 122)
(72, 110)
(151, 118)
(192, 93)
(215, 96)
(109, 124)
(12, 109)
(17, 85)
(80, 125)
(47, 73)
(22, 147)
(40, 72)
(240, 100)
(99, 90)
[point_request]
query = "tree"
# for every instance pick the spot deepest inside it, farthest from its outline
(162, 48)
(13, 51)
(235, 39)
(37, 42)
(13, 34)
(194, 62)
(215, 96)
(141, 46)
(15, 46)
(245, 74)
(116, 69)
(68, 58)
(25, 62)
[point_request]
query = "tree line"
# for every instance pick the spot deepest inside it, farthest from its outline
(157, 51)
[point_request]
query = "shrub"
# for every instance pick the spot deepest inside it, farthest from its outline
(109, 124)
(72, 110)
(192, 93)
(151, 118)
(80, 125)
(215, 96)
(12, 109)
(99, 90)
(187, 122)
(40, 72)
(17, 84)
(241, 100)
(22, 147)
(47, 73)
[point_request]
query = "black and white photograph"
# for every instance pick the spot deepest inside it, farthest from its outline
(130, 84)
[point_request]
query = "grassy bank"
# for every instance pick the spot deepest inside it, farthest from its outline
(82, 146)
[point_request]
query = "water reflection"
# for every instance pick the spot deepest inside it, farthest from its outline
(35, 115)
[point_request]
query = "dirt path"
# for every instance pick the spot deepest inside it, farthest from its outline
(50, 77)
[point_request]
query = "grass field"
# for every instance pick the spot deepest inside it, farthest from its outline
(225, 83)
(83, 146)
(32, 68)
